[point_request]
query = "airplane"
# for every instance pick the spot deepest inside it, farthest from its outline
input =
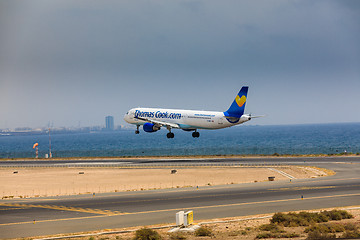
(152, 119)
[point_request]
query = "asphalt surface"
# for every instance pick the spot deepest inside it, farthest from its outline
(55, 215)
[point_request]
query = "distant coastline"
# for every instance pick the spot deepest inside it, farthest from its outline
(23, 131)
(45, 131)
(247, 140)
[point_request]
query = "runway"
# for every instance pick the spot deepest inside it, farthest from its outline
(81, 213)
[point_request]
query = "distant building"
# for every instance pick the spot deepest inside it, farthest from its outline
(109, 123)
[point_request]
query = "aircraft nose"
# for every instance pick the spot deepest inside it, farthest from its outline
(126, 116)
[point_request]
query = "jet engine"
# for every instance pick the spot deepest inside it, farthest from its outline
(150, 127)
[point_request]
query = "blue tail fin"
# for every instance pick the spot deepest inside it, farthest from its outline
(238, 106)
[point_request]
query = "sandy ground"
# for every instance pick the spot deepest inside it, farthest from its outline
(239, 228)
(38, 182)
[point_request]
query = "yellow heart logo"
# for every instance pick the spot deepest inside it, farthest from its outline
(240, 101)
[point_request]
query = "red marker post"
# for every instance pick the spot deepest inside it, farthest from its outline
(35, 146)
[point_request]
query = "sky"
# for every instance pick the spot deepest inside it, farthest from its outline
(71, 63)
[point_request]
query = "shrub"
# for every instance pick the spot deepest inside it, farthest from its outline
(306, 218)
(318, 235)
(333, 215)
(276, 235)
(337, 214)
(297, 219)
(280, 218)
(272, 227)
(177, 236)
(351, 227)
(244, 232)
(326, 228)
(313, 217)
(317, 228)
(147, 234)
(345, 214)
(264, 235)
(289, 235)
(203, 231)
(351, 234)
(335, 227)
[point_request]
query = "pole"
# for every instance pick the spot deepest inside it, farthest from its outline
(50, 156)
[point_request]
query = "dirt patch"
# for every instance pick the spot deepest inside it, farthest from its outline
(71, 181)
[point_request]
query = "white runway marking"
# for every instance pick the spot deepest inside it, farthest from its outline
(282, 173)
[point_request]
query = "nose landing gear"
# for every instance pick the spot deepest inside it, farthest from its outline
(137, 129)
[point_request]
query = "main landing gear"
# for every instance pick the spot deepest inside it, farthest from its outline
(170, 135)
(196, 134)
(137, 129)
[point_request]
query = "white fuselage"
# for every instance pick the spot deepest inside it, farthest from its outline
(185, 119)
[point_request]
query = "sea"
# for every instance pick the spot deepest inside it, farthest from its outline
(239, 140)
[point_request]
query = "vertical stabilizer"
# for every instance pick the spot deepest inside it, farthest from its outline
(238, 106)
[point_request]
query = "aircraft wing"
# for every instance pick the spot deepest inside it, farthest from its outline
(159, 123)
